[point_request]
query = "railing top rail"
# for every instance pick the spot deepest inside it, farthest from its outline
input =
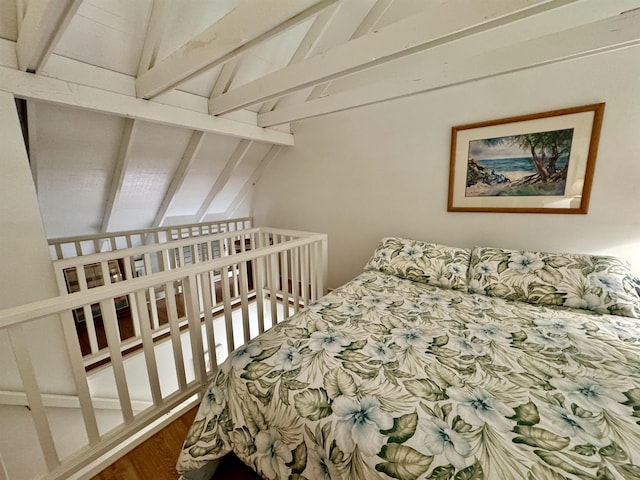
(51, 306)
(141, 250)
(123, 233)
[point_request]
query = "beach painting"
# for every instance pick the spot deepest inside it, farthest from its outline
(535, 163)
(527, 164)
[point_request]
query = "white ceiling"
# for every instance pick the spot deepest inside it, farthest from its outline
(103, 158)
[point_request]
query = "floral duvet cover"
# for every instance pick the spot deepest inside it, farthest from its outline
(389, 378)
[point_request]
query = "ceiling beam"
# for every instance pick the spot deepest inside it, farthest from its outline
(153, 37)
(309, 42)
(119, 172)
(234, 160)
(225, 77)
(70, 94)
(252, 21)
(32, 131)
(441, 23)
(41, 28)
(252, 180)
(179, 176)
(621, 31)
(366, 26)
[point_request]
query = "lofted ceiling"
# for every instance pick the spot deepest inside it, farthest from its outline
(146, 112)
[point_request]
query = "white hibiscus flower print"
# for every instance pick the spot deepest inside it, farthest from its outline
(563, 422)
(457, 270)
(321, 465)
(213, 402)
(411, 337)
(379, 351)
(411, 252)
(587, 301)
(478, 407)
(441, 439)
(557, 325)
(606, 281)
(590, 395)
(526, 262)
(242, 356)
(288, 358)
(370, 302)
(489, 333)
(330, 342)
(486, 268)
(272, 454)
(359, 424)
(476, 286)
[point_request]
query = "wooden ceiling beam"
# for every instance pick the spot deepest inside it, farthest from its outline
(40, 30)
(309, 42)
(442, 23)
(252, 21)
(621, 31)
(234, 160)
(153, 37)
(189, 154)
(119, 172)
(71, 94)
(271, 154)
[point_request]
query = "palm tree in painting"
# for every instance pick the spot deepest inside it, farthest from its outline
(545, 149)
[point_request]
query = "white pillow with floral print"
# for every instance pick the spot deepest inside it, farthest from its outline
(589, 282)
(423, 262)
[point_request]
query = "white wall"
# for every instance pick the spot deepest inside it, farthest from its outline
(383, 169)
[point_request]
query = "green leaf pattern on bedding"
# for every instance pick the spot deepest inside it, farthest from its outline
(388, 378)
(590, 282)
(432, 263)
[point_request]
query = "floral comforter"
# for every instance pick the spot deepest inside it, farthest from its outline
(388, 378)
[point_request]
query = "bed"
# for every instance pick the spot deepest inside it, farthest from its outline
(439, 363)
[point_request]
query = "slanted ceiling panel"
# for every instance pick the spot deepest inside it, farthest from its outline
(208, 163)
(8, 27)
(240, 175)
(76, 154)
(153, 158)
(118, 29)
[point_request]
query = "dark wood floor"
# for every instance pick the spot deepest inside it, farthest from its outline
(156, 458)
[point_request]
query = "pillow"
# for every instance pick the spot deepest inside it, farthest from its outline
(589, 282)
(422, 262)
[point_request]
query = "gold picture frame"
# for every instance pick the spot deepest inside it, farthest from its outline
(538, 163)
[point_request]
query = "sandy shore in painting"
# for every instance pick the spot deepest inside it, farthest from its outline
(484, 190)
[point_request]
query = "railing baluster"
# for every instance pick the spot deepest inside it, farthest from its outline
(273, 288)
(148, 348)
(80, 377)
(34, 397)
(295, 278)
(284, 279)
(174, 328)
(226, 301)
(258, 283)
(110, 320)
(190, 286)
(244, 301)
(304, 280)
(207, 293)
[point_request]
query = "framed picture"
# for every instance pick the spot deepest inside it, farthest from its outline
(538, 163)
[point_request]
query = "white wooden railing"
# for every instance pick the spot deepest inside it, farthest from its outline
(116, 266)
(65, 247)
(288, 271)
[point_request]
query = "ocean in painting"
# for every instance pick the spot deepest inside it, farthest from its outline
(520, 167)
(506, 177)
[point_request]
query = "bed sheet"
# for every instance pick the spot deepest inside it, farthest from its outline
(388, 378)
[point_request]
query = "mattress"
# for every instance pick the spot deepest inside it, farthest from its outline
(391, 378)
